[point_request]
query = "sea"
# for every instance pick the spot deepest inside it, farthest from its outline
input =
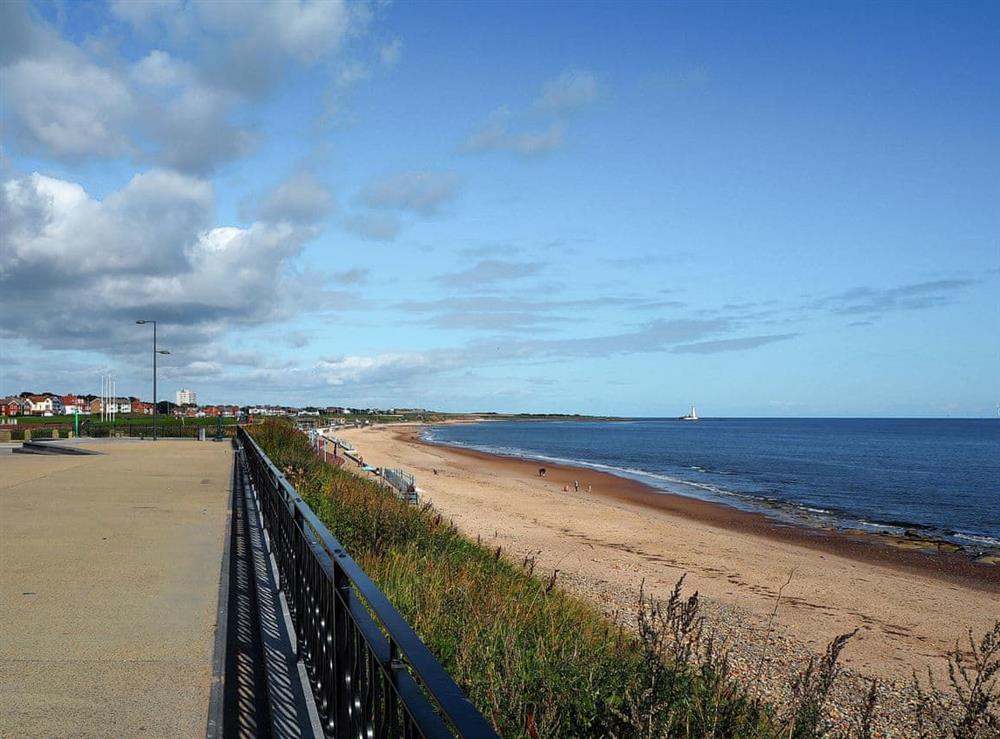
(933, 478)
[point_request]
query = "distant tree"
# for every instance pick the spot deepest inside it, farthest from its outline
(165, 407)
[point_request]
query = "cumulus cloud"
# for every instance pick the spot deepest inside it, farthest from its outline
(421, 192)
(65, 105)
(300, 198)
(147, 250)
(51, 228)
(374, 226)
(245, 47)
(63, 101)
(306, 30)
(159, 70)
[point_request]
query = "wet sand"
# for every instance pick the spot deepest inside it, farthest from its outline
(908, 600)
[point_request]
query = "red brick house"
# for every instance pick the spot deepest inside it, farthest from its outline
(11, 407)
(141, 406)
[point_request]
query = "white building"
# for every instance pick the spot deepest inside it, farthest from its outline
(187, 397)
(119, 405)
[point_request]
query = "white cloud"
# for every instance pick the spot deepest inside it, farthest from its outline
(52, 225)
(147, 249)
(504, 132)
(390, 53)
(497, 137)
(306, 30)
(421, 192)
(74, 102)
(146, 13)
(570, 90)
(383, 368)
(301, 198)
(374, 226)
(158, 69)
(69, 106)
(490, 272)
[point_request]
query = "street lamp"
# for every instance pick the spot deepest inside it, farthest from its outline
(155, 352)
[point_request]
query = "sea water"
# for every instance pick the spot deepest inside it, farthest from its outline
(938, 478)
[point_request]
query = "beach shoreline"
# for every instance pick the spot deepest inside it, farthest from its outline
(781, 586)
(922, 555)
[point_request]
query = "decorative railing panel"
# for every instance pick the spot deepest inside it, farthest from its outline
(371, 675)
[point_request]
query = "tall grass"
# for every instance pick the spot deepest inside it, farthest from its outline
(534, 659)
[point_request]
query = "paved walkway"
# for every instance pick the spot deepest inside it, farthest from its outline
(109, 581)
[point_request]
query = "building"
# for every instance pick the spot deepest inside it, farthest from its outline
(110, 406)
(73, 404)
(266, 410)
(141, 406)
(12, 406)
(186, 397)
(44, 405)
(120, 405)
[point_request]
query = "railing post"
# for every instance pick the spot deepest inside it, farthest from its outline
(300, 614)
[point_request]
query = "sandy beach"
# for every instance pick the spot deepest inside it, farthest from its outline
(909, 605)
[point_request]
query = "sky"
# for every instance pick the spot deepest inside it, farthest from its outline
(766, 209)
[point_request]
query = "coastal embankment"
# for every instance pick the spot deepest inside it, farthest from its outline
(774, 584)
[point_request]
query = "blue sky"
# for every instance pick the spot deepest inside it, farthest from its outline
(767, 209)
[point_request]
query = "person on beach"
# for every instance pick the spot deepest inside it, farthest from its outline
(576, 486)
(541, 472)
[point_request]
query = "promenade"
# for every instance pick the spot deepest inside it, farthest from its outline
(109, 584)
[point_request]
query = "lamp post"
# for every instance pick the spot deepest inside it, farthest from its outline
(155, 352)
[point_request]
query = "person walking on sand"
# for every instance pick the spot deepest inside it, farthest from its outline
(576, 486)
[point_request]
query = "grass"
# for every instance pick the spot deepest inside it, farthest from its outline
(122, 419)
(538, 661)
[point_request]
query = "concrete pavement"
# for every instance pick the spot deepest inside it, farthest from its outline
(109, 580)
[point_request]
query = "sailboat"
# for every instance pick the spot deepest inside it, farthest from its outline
(692, 416)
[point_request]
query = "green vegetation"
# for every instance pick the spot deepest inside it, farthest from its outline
(974, 708)
(59, 421)
(538, 661)
(122, 419)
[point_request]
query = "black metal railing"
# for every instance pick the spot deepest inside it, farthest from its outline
(164, 429)
(371, 675)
